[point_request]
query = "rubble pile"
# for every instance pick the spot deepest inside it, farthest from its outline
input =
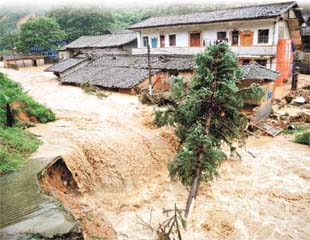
(294, 96)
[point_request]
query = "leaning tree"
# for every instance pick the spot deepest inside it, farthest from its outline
(206, 115)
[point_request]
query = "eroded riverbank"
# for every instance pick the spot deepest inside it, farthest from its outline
(119, 166)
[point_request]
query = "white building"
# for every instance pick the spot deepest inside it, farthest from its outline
(261, 33)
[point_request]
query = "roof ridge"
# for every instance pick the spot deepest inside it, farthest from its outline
(240, 7)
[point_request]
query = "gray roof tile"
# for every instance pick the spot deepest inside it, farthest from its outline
(240, 13)
(65, 65)
(255, 71)
(102, 41)
(125, 71)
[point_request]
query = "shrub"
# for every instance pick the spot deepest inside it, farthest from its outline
(17, 144)
(303, 138)
(12, 92)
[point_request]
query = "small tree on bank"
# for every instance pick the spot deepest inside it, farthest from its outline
(207, 114)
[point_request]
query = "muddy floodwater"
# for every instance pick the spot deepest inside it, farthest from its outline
(112, 174)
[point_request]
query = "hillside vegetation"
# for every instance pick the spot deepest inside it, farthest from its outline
(16, 143)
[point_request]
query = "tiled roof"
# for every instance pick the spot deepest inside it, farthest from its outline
(102, 41)
(255, 71)
(125, 71)
(232, 14)
(65, 65)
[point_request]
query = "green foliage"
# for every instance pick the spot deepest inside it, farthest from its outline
(16, 145)
(40, 33)
(8, 20)
(207, 114)
(303, 138)
(12, 92)
(300, 127)
(82, 21)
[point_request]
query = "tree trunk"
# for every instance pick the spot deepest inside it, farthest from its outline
(9, 116)
(193, 191)
(196, 181)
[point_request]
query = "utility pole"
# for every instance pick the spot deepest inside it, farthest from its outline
(12, 48)
(295, 78)
(149, 67)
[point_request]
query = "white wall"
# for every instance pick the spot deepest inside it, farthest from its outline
(209, 31)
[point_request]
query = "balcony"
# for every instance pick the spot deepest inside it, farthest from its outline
(259, 51)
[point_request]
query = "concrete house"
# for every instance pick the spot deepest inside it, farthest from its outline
(22, 60)
(267, 34)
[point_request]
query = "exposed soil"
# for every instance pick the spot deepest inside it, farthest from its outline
(113, 177)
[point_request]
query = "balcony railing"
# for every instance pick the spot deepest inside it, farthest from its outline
(269, 50)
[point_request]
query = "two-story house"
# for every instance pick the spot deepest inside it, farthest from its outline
(267, 34)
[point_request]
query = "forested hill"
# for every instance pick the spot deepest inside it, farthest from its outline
(91, 20)
(77, 21)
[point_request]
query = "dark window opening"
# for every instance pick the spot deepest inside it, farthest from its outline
(263, 35)
(262, 62)
(173, 74)
(235, 38)
(172, 40)
(246, 61)
(221, 36)
(145, 41)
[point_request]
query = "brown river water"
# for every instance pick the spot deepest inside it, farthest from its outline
(117, 161)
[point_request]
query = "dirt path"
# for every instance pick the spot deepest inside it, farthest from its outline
(119, 166)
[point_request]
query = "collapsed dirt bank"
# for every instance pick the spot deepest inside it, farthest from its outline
(113, 177)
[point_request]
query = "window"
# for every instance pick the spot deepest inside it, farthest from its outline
(235, 38)
(172, 40)
(262, 62)
(221, 36)
(263, 35)
(145, 41)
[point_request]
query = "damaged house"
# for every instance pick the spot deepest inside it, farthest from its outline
(267, 34)
(128, 73)
(255, 73)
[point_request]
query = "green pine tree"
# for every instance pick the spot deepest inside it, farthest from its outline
(206, 115)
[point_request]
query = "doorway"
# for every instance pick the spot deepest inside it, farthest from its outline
(235, 38)
(34, 62)
(247, 38)
(162, 41)
(195, 39)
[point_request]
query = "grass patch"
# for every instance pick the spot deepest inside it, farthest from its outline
(93, 90)
(12, 92)
(300, 127)
(17, 144)
(303, 138)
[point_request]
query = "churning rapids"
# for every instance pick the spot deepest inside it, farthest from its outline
(109, 171)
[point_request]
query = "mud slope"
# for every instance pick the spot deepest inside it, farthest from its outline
(113, 176)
